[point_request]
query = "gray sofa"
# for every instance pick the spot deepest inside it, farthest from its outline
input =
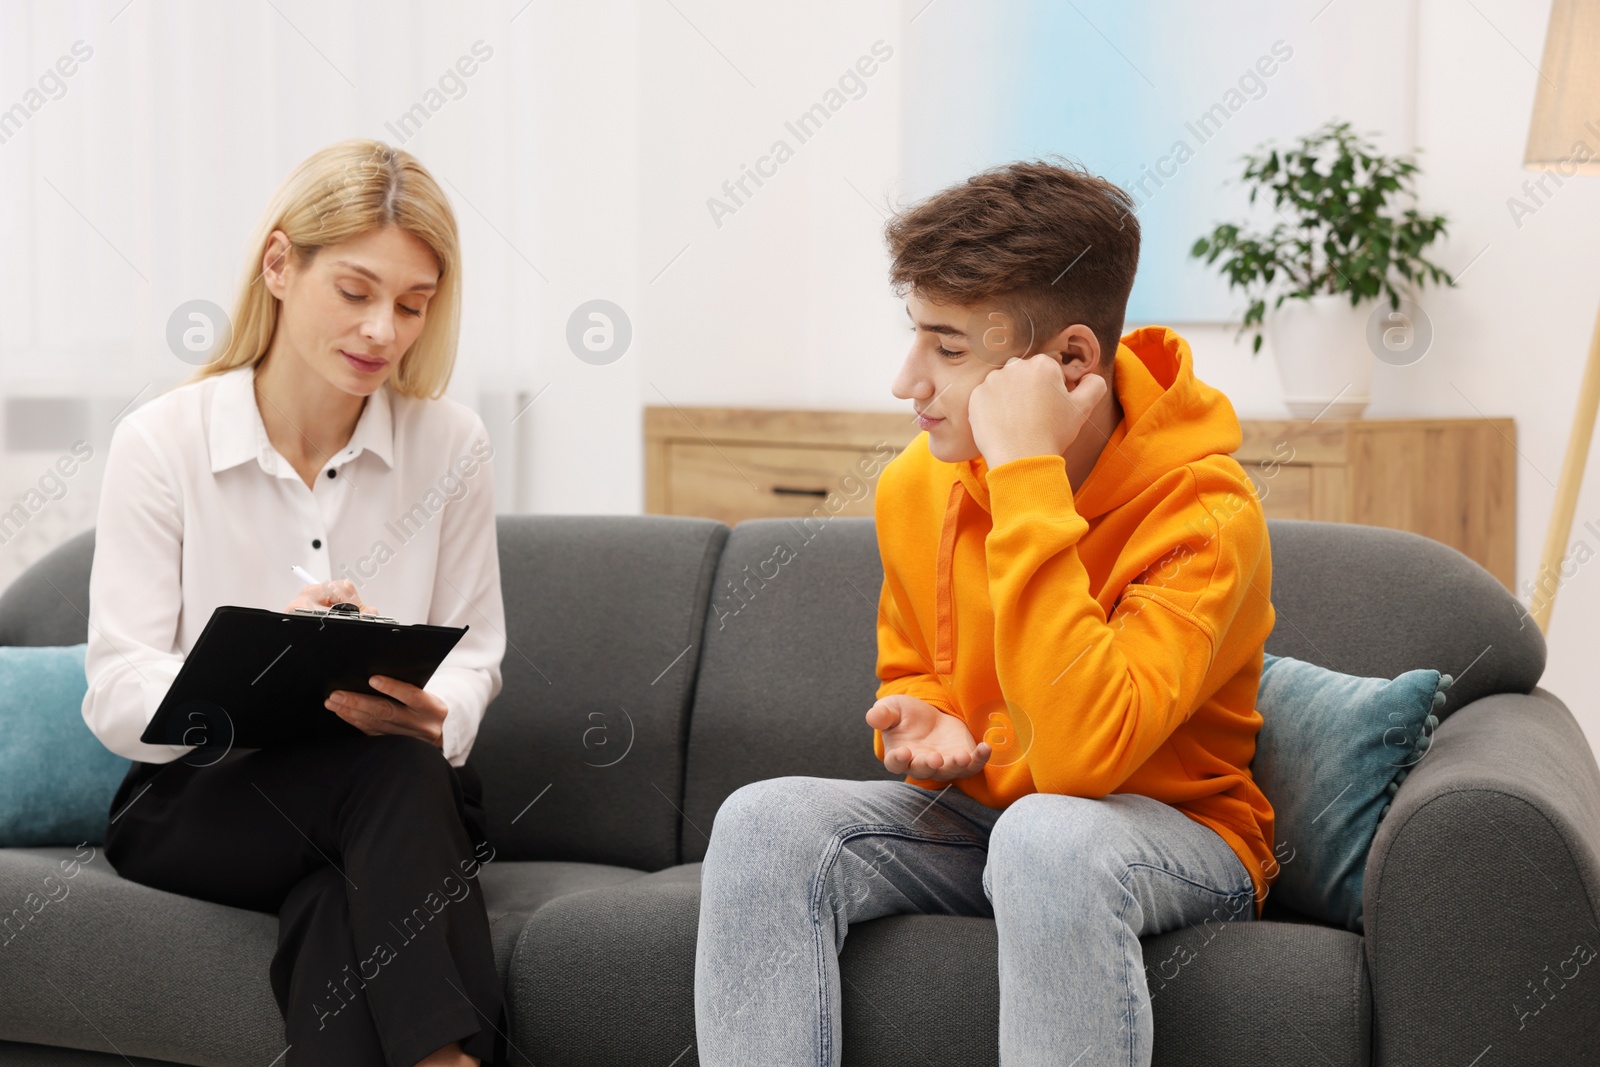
(656, 664)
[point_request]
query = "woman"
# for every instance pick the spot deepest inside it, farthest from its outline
(320, 438)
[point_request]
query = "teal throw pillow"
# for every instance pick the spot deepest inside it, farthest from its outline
(56, 778)
(1332, 751)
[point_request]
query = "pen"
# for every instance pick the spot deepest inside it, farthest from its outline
(350, 608)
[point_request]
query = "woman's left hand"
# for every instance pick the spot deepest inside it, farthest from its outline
(403, 709)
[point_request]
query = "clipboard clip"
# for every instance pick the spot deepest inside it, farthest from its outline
(344, 610)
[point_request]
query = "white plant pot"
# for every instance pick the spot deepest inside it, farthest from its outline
(1323, 357)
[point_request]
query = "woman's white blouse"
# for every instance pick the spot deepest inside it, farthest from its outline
(198, 509)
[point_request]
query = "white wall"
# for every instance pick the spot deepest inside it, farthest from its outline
(785, 301)
(1513, 337)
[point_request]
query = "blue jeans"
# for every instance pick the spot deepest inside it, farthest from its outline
(1071, 883)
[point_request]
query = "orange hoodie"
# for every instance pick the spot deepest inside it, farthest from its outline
(1108, 640)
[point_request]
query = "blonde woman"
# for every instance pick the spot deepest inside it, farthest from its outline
(319, 437)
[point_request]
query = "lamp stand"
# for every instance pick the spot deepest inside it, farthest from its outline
(1555, 544)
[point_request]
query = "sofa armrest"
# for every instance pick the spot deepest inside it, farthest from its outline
(1481, 888)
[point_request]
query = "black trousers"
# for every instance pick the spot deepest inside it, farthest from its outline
(368, 849)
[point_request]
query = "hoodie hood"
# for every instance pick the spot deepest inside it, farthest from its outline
(1169, 419)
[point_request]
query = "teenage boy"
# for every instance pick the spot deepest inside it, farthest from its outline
(1070, 633)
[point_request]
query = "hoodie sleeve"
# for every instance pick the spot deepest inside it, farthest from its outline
(902, 670)
(1101, 695)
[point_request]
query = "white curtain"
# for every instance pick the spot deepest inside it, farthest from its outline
(140, 142)
(580, 155)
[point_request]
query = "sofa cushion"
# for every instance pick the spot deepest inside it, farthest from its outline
(1247, 992)
(94, 961)
(606, 977)
(1223, 993)
(787, 673)
(13, 1054)
(1288, 994)
(1332, 750)
(56, 778)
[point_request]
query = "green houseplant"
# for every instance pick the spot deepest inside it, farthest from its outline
(1338, 240)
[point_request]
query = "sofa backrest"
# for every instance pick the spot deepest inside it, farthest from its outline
(603, 642)
(1376, 602)
(785, 682)
(655, 664)
(48, 604)
(787, 671)
(581, 755)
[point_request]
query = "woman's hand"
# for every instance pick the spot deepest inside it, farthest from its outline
(328, 593)
(403, 709)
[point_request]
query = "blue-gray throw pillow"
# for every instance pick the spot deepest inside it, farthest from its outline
(1332, 751)
(56, 778)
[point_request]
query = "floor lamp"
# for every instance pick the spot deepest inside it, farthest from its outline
(1564, 138)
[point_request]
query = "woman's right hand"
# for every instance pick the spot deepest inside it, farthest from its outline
(328, 593)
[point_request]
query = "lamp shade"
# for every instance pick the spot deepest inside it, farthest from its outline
(1565, 132)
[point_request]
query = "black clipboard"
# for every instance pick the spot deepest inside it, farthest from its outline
(257, 678)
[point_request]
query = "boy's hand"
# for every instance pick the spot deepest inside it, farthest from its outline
(1025, 409)
(924, 742)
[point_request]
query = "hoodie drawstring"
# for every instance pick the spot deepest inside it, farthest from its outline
(944, 615)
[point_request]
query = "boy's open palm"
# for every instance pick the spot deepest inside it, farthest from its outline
(924, 742)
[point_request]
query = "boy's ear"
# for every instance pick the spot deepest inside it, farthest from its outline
(1077, 349)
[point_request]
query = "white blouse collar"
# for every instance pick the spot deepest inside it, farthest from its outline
(237, 433)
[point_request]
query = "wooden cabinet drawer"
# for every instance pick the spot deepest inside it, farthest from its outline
(732, 482)
(1284, 490)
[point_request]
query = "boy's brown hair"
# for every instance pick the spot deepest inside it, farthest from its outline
(1048, 241)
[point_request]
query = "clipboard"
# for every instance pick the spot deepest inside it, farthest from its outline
(257, 678)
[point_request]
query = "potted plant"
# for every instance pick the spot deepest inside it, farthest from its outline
(1338, 243)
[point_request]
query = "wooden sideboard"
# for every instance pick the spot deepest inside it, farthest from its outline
(1454, 480)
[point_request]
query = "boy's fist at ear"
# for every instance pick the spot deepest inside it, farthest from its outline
(924, 742)
(1025, 409)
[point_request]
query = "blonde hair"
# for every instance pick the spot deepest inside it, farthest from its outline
(336, 194)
